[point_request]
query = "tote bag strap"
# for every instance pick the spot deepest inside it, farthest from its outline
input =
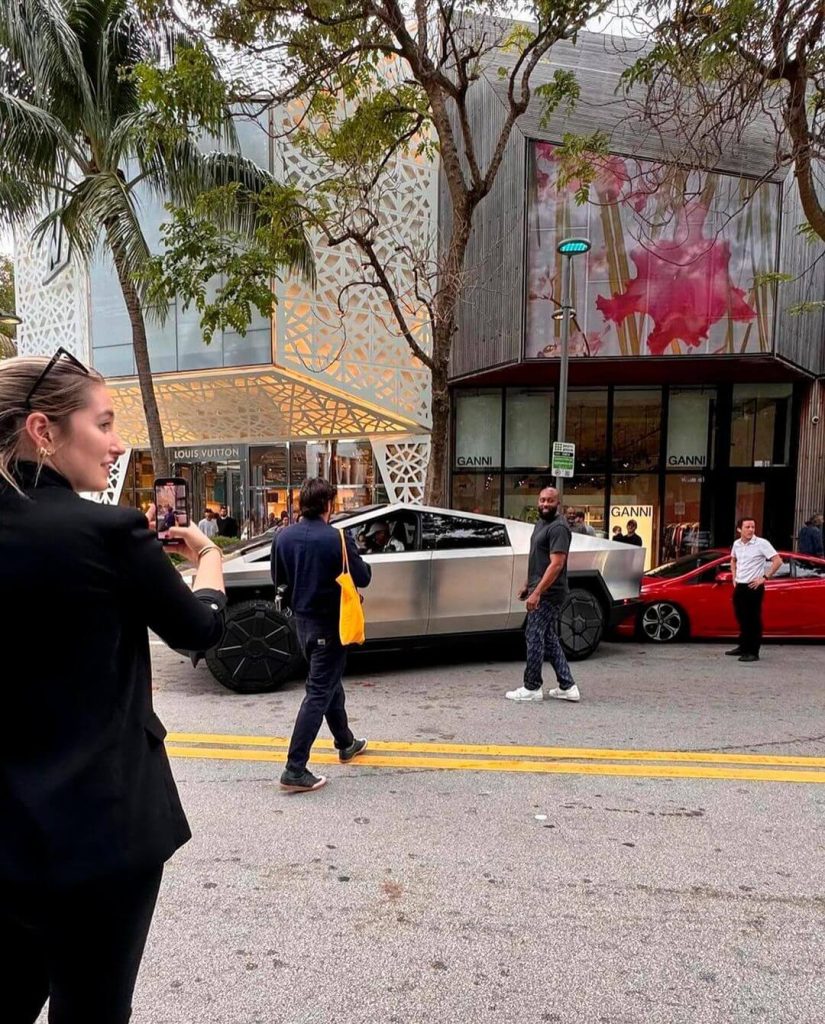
(346, 556)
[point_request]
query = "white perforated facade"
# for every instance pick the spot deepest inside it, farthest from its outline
(339, 367)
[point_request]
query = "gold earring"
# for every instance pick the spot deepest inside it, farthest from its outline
(45, 453)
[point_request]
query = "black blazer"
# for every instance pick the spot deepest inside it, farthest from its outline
(85, 785)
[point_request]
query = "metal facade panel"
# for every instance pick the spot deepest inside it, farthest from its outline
(491, 304)
(598, 61)
(800, 338)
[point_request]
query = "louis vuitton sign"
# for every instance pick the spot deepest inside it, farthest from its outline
(207, 453)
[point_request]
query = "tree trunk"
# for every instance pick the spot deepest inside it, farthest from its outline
(444, 328)
(436, 483)
(160, 459)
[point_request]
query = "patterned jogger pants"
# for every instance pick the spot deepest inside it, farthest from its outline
(543, 640)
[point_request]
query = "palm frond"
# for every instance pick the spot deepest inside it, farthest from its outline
(100, 203)
(19, 200)
(39, 42)
(34, 140)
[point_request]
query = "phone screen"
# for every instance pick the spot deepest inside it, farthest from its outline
(171, 507)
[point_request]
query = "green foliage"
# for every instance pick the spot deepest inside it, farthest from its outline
(579, 161)
(563, 88)
(771, 278)
(188, 94)
(801, 308)
(203, 244)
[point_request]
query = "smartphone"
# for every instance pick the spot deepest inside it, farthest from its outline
(171, 506)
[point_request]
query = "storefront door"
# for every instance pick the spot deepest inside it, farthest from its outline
(760, 495)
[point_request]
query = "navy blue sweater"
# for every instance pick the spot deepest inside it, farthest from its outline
(307, 559)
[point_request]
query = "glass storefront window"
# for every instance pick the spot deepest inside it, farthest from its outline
(637, 428)
(683, 531)
(268, 475)
(521, 493)
(528, 428)
(587, 429)
(587, 494)
(354, 474)
(477, 492)
(478, 429)
(688, 427)
(636, 496)
(760, 425)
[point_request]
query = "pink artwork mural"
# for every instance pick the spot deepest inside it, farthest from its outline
(675, 265)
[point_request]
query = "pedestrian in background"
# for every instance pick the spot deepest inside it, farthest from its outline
(580, 526)
(227, 524)
(750, 556)
(545, 592)
(207, 525)
(307, 559)
(89, 812)
(809, 541)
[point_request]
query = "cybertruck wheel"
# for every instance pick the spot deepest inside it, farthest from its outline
(258, 651)
(581, 624)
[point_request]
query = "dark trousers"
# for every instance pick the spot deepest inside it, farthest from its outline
(747, 604)
(324, 697)
(78, 946)
(542, 636)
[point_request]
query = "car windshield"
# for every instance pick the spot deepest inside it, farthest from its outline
(682, 566)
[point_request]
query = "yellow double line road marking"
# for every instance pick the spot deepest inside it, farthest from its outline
(475, 757)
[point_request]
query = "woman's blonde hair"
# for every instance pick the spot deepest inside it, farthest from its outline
(64, 390)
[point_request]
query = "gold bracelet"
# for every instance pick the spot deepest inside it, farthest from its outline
(208, 547)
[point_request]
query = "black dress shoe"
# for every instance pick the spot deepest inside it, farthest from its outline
(735, 652)
(749, 657)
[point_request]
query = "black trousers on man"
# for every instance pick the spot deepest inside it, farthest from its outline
(79, 946)
(747, 604)
(324, 697)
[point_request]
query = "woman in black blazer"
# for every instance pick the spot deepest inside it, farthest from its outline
(89, 812)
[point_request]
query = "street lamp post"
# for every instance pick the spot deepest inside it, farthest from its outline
(9, 319)
(568, 248)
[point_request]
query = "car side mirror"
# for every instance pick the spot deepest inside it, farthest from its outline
(723, 577)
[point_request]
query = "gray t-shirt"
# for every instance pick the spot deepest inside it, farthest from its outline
(549, 538)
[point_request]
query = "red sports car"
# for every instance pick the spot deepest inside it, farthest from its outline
(692, 597)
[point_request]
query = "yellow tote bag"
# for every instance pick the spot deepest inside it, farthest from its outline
(351, 621)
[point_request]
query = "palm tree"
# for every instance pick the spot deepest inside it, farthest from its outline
(76, 138)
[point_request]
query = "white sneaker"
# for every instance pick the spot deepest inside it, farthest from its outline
(559, 694)
(522, 693)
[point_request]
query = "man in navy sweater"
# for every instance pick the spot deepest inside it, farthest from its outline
(307, 558)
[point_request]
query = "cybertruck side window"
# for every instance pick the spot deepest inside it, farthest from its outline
(450, 533)
(388, 534)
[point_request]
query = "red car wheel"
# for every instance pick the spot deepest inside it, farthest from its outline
(663, 622)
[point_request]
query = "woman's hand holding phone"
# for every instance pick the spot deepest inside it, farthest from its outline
(190, 541)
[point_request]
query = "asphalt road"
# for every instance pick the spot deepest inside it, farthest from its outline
(403, 894)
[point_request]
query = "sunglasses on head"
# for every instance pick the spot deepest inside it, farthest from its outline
(61, 353)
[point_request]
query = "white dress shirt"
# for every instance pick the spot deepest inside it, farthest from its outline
(751, 557)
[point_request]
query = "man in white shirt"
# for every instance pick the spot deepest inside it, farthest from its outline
(208, 525)
(753, 560)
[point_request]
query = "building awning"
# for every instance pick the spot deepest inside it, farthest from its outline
(264, 404)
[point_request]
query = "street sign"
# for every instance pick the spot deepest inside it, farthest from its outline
(563, 462)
